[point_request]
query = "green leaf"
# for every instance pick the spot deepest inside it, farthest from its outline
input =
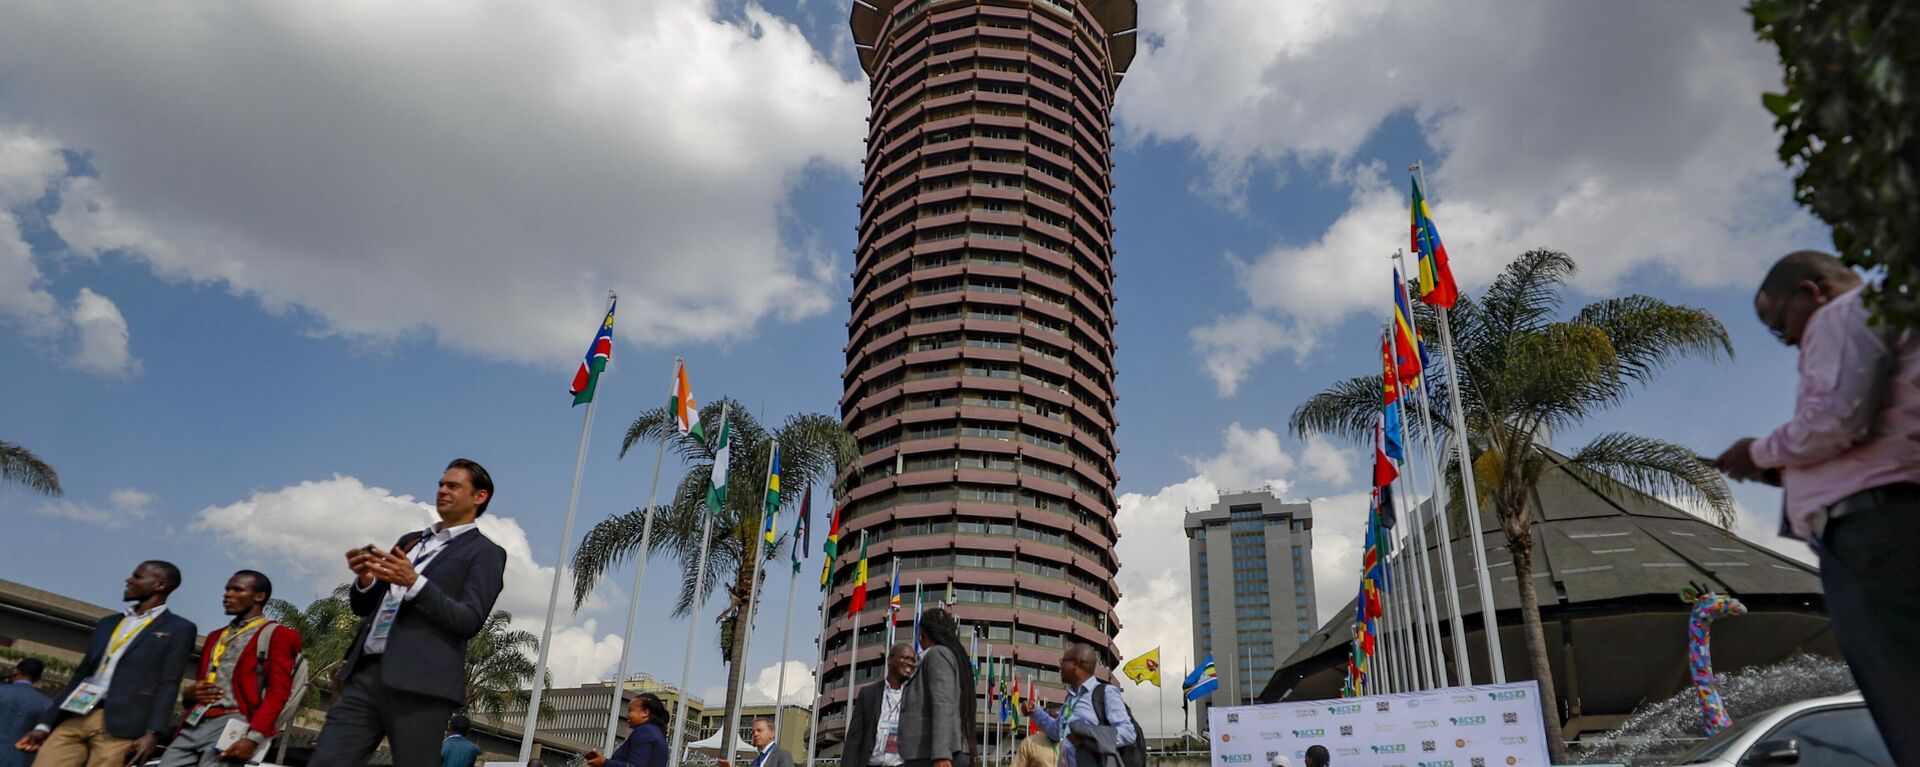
(1778, 103)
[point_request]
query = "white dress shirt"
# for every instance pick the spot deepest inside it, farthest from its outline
(434, 540)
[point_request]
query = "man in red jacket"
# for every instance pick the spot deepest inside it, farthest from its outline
(231, 706)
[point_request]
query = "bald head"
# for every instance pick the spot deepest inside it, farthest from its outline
(1803, 266)
(1078, 663)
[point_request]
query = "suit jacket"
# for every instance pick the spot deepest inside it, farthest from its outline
(21, 707)
(426, 651)
(776, 758)
(261, 711)
(456, 751)
(146, 680)
(935, 715)
(646, 746)
(867, 706)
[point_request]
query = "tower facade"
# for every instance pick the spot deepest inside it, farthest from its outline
(980, 352)
(1250, 558)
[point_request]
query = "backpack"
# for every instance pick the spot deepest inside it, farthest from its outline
(1133, 754)
(264, 642)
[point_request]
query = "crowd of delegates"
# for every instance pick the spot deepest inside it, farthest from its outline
(402, 680)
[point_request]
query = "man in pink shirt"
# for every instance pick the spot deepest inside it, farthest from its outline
(1849, 461)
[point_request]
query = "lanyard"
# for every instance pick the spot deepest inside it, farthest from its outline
(226, 642)
(120, 639)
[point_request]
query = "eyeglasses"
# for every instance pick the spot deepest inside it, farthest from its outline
(1777, 325)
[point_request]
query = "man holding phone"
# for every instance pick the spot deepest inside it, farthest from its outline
(418, 605)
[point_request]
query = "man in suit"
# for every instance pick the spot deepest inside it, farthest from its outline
(21, 707)
(232, 688)
(405, 673)
(121, 695)
(455, 749)
(771, 755)
(873, 734)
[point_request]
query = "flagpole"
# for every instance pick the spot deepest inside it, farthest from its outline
(1437, 495)
(639, 582)
(693, 612)
(1434, 497)
(532, 722)
(1433, 663)
(1489, 616)
(853, 659)
(786, 641)
(819, 683)
(984, 703)
(743, 623)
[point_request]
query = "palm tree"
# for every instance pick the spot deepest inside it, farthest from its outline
(813, 447)
(499, 670)
(1525, 374)
(19, 465)
(327, 627)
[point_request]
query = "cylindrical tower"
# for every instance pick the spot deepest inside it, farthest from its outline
(980, 353)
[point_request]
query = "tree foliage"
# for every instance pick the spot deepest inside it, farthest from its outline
(1849, 120)
(20, 466)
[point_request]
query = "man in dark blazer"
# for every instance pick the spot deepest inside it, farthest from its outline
(771, 754)
(21, 707)
(876, 715)
(121, 695)
(405, 673)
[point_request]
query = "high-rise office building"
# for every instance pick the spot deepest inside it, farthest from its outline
(1250, 558)
(980, 353)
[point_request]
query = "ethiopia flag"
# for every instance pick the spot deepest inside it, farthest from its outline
(588, 376)
(1436, 278)
(722, 461)
(858, 601)
(680, 402)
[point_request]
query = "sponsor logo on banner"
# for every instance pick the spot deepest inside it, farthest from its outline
(1467, 698)
(1347, 752)
(1347, 710)
(1271, 755)
(1273, 736)
(1513, 740)
(1267, 716)
(1478, 761)
(1467, 721)
(1511, 761)
(1306, 712)
(1459, 742)
(1447, 763)
(1383, 706)
(1314, 733)
(1415, 703)
(1426, 724)
(1236, 758)
(1385, 727)
(1394, 748)
(1233, 718)
(1508, 695)
(1510, 717)
(1428, 746)
(1226, 737)
(1346, 731)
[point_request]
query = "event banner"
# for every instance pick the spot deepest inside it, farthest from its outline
(1484, 726)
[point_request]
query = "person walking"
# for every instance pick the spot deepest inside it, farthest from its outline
(1087, 707)
(1034, 751)
(1849, 462)
(936, 706)
(21, 707)
(121, 695)
(233, 699)
(764, 739)
(646, 744)
(1317, 756)
(873, 733)
(405, 673)
(456, 749)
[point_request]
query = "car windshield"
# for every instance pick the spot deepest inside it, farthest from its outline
(1713, 747)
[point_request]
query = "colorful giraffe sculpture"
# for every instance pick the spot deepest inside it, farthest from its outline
(1707, 608)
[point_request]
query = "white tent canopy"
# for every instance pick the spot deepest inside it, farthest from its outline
(710, 746)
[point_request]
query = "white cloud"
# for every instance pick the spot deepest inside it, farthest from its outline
(1630, 138)
(124, 506)
(480, 174)
(762, 686)
(103, 336)
(305, 531)
(1232, 345)
(1326, 461)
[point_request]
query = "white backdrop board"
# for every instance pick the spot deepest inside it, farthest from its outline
(1484, 726)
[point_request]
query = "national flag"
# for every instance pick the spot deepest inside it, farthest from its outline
(1202, 682)
(686, 412)
(1388, 516)
(893, 596)
(1144, 669)
(1436, 278)
(916, 617)
(1410, 351)
(1394, 440)
(772, 514)
(722, 463)
(950, 600)
(858, 601)
(1033, 725)
(1384, 472)
(973, 654)
(832, 547)
(1014, 705)
(588, 376)
(802, 530)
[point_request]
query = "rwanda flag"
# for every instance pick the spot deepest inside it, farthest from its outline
(773, 494)
(1202, 682)
(588, 376)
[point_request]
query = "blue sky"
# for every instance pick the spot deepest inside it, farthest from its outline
(247, 299)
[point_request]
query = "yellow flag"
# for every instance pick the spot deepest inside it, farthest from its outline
(1144, 669)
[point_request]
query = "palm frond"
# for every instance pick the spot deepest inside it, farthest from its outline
(20, 466)
(1346, 410)
(1556, 376)
(1659, 468)
(1648, 334)
(1526, 294)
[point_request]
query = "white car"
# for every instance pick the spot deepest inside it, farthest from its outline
(1822, 732)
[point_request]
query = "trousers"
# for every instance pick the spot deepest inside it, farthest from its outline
(368, 711)
(1873, 598)
(83, 741)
